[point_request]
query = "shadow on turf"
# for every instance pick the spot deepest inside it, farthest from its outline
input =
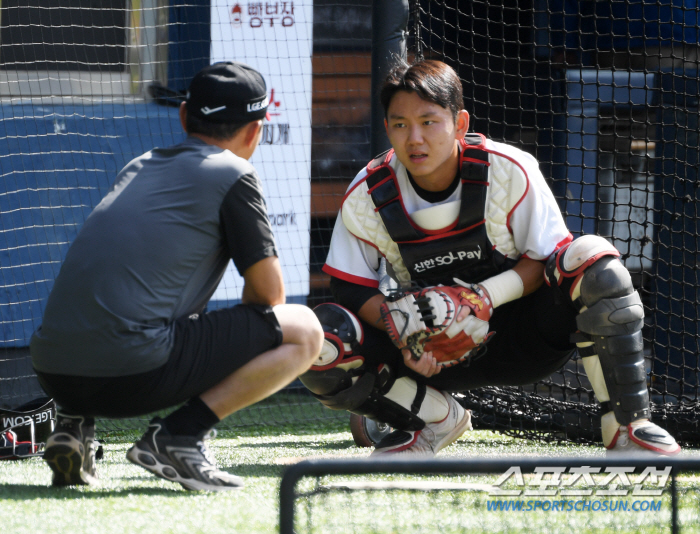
(21, 492)
(254, 470)
(241, 470)
(296, 444)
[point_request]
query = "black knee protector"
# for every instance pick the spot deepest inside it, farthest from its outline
(612, 318)
(340, 380)
(340, 356)
(362, 392)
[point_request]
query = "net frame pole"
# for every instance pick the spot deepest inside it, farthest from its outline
(389, 36)
(318, 468)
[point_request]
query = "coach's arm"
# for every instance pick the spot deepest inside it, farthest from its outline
(264, 283)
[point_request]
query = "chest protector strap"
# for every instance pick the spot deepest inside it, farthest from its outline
(463, 248)
(384, 191)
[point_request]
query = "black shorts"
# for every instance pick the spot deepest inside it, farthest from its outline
(208, 348)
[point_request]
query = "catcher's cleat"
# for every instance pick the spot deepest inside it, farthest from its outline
(433, 438)
(70, 452)
(644, 437)
(183, 459)
(397, 441)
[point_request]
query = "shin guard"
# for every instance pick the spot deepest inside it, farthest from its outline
(610, 322)
(612, 328)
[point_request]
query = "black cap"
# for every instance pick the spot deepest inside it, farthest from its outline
(228, 92)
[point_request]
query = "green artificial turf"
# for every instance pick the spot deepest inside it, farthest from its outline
(129, 499)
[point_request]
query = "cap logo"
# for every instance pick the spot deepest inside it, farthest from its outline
(208, 111)
(257, 106)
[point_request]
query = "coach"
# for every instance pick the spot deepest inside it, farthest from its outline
(123, 332)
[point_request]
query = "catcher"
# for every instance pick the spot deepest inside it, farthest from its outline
(470, 232)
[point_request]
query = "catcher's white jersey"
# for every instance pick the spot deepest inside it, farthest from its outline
(522, 218)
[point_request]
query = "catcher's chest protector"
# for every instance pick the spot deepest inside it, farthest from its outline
(463, 249)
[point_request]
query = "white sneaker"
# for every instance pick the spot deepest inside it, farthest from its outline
(433, 438)
(643, 436)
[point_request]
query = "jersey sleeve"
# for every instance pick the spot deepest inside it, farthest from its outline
(536, 221)
(351, 296)
(351, 259)
(246, 227)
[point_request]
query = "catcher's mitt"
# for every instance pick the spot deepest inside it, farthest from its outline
(424, 320)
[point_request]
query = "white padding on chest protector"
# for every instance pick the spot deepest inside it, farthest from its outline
(437, 217)
(364, 223)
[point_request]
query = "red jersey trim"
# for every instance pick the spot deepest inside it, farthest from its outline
(474, 160)
(359, 280)
(527, 183)
(568, 239)
(446, 234)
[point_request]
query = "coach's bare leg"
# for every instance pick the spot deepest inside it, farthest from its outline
(272, 370)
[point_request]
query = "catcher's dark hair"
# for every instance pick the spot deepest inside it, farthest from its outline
(432, 80)
(218, 131)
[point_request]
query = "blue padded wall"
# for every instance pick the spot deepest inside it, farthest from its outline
(56, 164)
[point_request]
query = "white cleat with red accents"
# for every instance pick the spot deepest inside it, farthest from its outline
(433, 438)
(640, 436)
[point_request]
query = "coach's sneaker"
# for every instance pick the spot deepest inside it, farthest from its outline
(183, 459)
(434, 436)
(641, 436)
(70, 451)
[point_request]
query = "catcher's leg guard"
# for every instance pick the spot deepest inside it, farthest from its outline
(340, 379)
(614, 329)
(609, 341)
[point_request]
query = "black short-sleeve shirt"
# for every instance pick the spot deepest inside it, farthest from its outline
(153, 250)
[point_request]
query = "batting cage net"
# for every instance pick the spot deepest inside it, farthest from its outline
(487, 494)
(604, 94)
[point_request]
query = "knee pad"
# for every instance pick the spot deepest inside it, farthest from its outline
(340, 357)
(343, 337)
(609, 304)
(567, 268)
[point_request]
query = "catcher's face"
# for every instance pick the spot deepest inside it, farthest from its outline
(425, 137)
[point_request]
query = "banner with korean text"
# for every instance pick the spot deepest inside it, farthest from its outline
(275, 37)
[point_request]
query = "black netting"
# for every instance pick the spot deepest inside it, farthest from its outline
(605, 95)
